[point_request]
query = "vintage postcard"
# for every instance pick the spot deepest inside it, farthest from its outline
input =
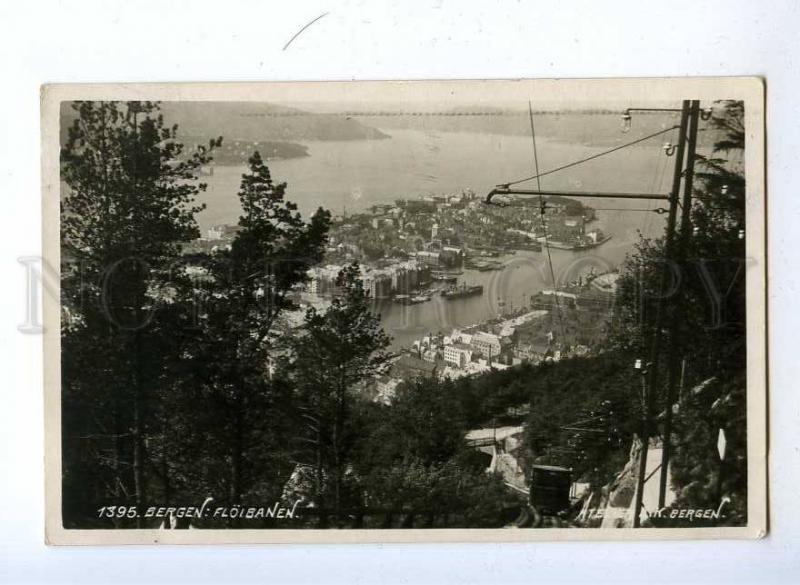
(404, 311)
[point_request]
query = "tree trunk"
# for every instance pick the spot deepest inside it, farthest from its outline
(167, 485)
(337, 473)
(119, 479)
(237, 456)
(138, 455)
(320, 503)
(338, 427)
(138, 473)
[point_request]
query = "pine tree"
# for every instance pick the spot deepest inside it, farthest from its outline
(338, 352)
(129, 203)
(229, 367)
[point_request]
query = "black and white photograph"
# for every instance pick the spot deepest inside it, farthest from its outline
(399, 311)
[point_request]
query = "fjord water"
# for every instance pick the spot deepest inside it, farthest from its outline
(352, 175)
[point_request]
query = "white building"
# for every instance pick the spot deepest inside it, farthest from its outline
(430, 258)
(458, 336)
(486, 344)
(458, 354)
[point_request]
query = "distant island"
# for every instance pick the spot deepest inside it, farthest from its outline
(236, 152)
(277, 132)
(265, 122)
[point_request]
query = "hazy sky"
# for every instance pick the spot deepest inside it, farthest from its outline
(521, 105)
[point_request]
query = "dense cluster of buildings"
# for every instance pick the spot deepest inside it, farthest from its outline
(380, 283)
(408, 246)
(440, 229)
(528, 337)
(467, 351)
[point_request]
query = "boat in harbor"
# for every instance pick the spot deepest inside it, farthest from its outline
(464, 290)
(414, 299)
(592, 244)
(482, 265)
(452, 272)
(582, 245)
(530, 246)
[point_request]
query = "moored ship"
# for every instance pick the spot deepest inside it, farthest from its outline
(411, 299)
(444, 277)
(457, 292)
(584, 244)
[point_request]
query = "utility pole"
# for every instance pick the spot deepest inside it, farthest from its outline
(690, 110)
(676, 321)
(653, 386)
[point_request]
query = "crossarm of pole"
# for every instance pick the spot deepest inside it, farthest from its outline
(626, 116)
(506, 190)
